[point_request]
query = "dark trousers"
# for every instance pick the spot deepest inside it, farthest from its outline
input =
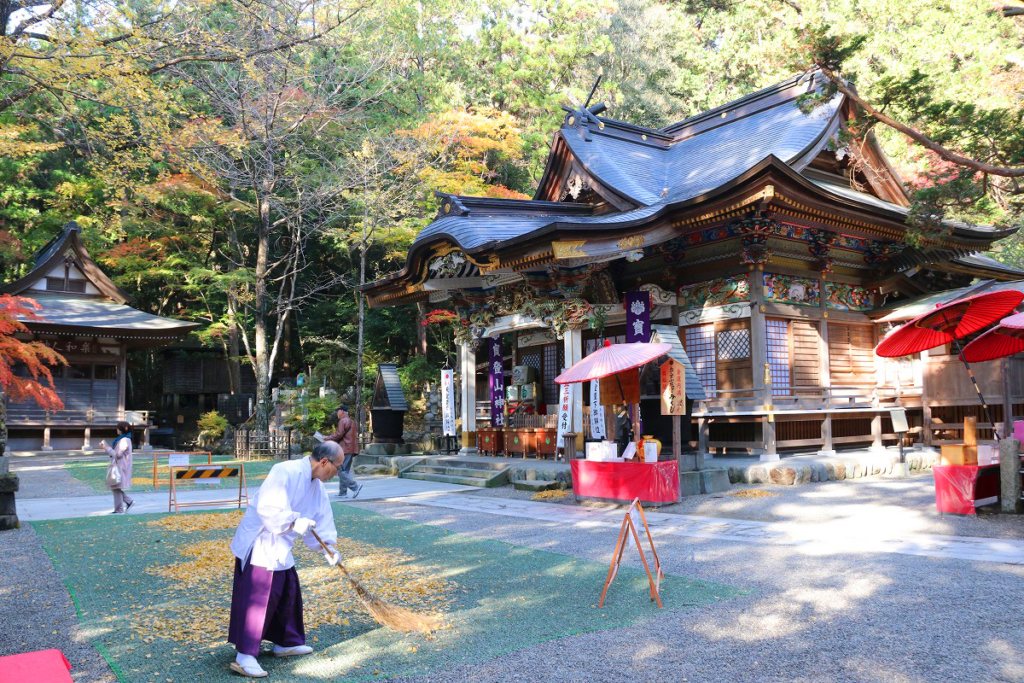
(265, 605)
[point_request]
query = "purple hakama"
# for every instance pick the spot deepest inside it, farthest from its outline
(265, 605)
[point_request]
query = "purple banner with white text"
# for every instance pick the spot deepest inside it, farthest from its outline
(638, 317)
(496, 369)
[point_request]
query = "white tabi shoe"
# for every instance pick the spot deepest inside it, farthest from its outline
(248, 666)
(292, 651)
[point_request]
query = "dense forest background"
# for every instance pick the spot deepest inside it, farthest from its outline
(248, 163)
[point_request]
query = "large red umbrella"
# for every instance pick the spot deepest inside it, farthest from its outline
(1005, 339)
(611, 359)
(949, 323)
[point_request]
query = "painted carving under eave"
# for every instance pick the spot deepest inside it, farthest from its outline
(724, 290)
(842, 297)
(788, 289)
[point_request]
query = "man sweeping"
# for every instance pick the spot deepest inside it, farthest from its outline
(266, 602)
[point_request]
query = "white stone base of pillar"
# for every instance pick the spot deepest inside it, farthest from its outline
(769, 457)
(878, 450)
(827, 454)
(469, 450)
(900, 470)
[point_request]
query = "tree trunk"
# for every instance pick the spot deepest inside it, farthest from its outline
(260, 304)
(421, 329)
(233, 349)
(360, 413)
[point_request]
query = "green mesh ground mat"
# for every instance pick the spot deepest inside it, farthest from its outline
(497, 598)
(94, 473)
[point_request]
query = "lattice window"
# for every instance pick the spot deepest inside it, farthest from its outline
(552, 368)
(533, 360)
(700, 347)
(778, 356)
(733, 344)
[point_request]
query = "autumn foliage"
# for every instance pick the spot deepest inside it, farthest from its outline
(34, 356)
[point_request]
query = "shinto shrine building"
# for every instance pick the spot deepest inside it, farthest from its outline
(86, 318)
(777, 252)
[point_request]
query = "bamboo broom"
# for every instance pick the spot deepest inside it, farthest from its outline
(398, 618)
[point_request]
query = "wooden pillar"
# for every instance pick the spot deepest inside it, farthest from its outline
(467, 363)
(1007, 430)
(46, 439)
(825, 380)
(702, 437)
(876, 434)
(827, 448)
(926, 408)
(677, 420)
(87, 440)
(122, 381)
(759, 359)
(573, 341)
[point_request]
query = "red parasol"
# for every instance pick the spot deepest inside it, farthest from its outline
(612, 359)
(949, 322)
(1005, 339)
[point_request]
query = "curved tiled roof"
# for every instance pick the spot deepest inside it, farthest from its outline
(650, 172)
(702, 162)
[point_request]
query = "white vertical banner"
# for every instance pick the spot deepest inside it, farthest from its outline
(564, 413)
(597, 428)
(448, 402)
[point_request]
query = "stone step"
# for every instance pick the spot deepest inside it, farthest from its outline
(534, 485)
(460, 462)
(453, 471)
(450, 479)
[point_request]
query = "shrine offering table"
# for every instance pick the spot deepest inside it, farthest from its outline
(490, 440)
(655, 483)
(547, 442)
(960, 489)
(520, 441)
(44, 666)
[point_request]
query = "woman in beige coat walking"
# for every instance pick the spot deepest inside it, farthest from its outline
(121, 452)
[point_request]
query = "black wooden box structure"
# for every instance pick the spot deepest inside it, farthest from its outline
(388, 406)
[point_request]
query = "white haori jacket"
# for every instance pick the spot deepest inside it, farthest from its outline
(264, 536)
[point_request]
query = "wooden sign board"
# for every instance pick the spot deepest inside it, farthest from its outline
(620, 547)
(673, 388)
(621, 388)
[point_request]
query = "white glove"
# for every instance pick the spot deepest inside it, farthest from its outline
(332, 556)
(302, 525)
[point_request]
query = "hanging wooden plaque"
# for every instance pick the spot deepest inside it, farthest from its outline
(673, 388)
(621, 388)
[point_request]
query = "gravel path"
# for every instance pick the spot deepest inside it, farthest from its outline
(857, 617)
(36, 612)
(47, 478)
(898, 506)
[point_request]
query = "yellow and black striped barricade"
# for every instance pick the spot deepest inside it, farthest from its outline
(175, 459)
(207, 473)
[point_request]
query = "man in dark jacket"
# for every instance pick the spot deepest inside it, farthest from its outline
(345, 436)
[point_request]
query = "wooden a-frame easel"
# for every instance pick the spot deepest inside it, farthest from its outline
(620, 547)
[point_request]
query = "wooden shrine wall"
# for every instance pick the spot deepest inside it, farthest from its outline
(806, 342)
(851, 354)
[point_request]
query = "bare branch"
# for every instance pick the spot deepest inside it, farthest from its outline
(917, 136)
